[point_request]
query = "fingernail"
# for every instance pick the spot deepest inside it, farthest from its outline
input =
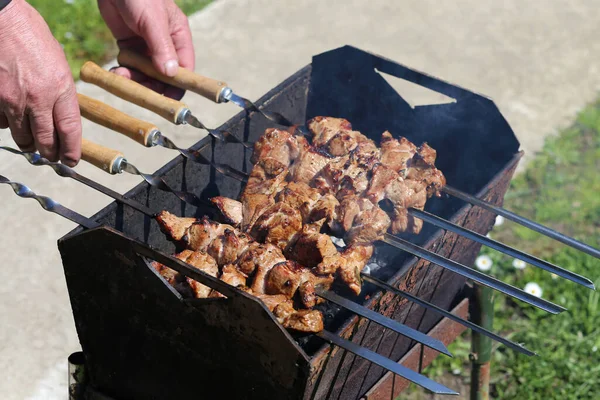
(171, 67)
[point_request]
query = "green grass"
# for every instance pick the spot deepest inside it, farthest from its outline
(561, 189)
(77, 25)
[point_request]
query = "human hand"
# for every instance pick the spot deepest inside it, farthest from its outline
(38, 100)
(157, 28)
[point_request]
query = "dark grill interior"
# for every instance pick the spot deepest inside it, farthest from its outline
(477, 152)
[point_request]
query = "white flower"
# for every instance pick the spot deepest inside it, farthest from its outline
(499, 220)
(534, 289)
(554, 276)
(519, 264)
(488, 236)
(594, 349)
(483, 263)
(68, 35)
(456, 371)
(69, 1)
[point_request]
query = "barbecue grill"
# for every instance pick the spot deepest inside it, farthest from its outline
(142, 340)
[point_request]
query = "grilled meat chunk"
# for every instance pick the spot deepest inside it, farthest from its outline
(231, 210)
(356, 257)
(310, 248)
(277, 225)
(290, 278)
(308, 165)
(278, 145)
(202, 232)
(260, 260)
(233, 276)
(309, 321)
(396, 153)
(422, 169)
(299, 196)
(173, 226)
(227, 247)
(324, 129)
(203, 262)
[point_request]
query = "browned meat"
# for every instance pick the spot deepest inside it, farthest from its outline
(299, 196)
(277, 225)
(253, 206)
(325, 208)
(227, 247)
(270, 301)
(310, 248)
(396, 153)
(203, 262)
(325, 128)
(308, 165)
(299, 320)
(173, 226)
(331, 264)
(265, 178)
(422, 169)
(201, 234)
(356, 257)
(261, 260)
(366, 154)
(290, 278)
(231, 210)
(257, 255)
(341, 144)
(382, 178)
(278, 145)
(369, 225)
(233, 276)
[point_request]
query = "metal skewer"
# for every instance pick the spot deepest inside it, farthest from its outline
(143, 132)
(491, 243)
(172, 110)
(202, 277)
(114, 162)
(523, 221)
(449, 315)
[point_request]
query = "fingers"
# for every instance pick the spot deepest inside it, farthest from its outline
(67, 122)
(3, 121)
(182, 37)
(21, 132)
(44, 135)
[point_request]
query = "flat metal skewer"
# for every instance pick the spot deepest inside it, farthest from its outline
(473, 274)
(50, 205)
(491, 243)
(386, 363)
(389, 323)
(114, 162)
(523, 221)
(447, 314)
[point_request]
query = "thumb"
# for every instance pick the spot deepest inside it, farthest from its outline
(152, 25)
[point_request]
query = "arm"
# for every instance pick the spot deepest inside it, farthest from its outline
(157, 28)
(38, 99)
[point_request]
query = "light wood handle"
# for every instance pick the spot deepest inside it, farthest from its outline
(102, 157)
(168, 108)
(111, 118)
(185, 79)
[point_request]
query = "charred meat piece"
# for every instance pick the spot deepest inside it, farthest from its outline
(369, 225)
(422, 169)
(173, 226)
(299, 196)
(277, 225)
(227, 247)
(325, 208)
(289, 278)
(265, 178)
(310, 248)
(279, 145)
(230, 210)
(309, 321)
(270, 301)
(233, 276)
(366, 154)
(261, 260)
(356, 257)
(203, 262)
(201, 234)
(308, 165)
(324, 129)
(253, 207)
(396, 153)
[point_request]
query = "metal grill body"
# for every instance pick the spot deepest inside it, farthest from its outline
(143, 341)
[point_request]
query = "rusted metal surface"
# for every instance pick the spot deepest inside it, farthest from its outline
(419, 357)
(477, 152)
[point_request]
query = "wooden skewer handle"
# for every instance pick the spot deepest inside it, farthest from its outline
(102, 157)
(111, 118)
(168, 108)
(185, 79)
